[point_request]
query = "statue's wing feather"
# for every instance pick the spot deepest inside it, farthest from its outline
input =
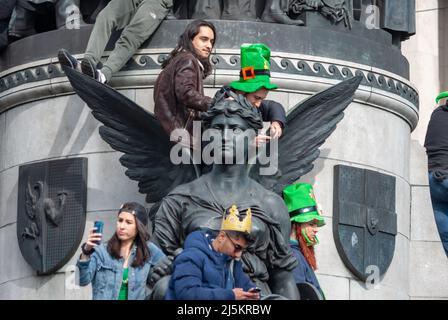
(130, 129)
(309, 124)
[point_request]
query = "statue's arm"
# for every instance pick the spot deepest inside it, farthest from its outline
(282, 282)
(168, 225)
(280, 214)
(281, 279)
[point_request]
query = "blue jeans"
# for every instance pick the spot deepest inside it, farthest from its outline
(439, 199)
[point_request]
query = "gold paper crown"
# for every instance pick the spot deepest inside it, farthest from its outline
(233, 223)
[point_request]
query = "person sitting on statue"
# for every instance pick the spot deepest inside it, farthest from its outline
(178, 105)
(254, 84)
(119, 268)
(202, 202)
(138, 19)
(209, 267)
(305, 219)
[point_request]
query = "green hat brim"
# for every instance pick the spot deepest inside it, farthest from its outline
(307, 217)
(249, 87)
(441, 96)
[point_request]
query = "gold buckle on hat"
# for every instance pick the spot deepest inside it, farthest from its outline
(248, 73)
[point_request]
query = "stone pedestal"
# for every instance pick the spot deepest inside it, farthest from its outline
(41, 119)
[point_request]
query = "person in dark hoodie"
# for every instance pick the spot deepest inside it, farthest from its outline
(209, 267)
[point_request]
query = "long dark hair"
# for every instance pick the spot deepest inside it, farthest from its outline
(185, 43)
(142, 253)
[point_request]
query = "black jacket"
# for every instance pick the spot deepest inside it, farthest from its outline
(436, 141)
(273, 111)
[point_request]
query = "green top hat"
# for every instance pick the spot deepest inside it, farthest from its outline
(441, 96)
(255, 67)
(301, 203)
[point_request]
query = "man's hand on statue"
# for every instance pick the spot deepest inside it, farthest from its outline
(276, 130)
(261, 139)
(240, 294)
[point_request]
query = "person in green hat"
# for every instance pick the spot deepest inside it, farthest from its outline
(305, 221)
(254, 84)
(436, 144)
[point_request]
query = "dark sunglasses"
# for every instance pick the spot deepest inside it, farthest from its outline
(236, 246)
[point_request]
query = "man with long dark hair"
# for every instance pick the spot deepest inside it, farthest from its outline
(178, 92)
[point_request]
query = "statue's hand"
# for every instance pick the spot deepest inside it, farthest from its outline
(164, 267)
(161, 269)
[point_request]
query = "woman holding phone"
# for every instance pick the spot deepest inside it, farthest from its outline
(118, 269)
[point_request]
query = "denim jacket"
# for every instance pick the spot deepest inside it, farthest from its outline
(106, 273)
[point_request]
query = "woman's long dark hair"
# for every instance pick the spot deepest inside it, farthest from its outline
(142, 253)
(185, 44)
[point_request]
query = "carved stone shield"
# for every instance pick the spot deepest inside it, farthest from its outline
(51, 212)
(365, 222)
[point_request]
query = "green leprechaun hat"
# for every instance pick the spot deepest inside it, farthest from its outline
(301, 203)
(255, 67)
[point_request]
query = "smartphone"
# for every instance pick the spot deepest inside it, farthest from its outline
(254, 290)
(98, 225)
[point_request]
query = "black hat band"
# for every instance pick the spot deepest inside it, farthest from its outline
(249, 74)
(302, 211)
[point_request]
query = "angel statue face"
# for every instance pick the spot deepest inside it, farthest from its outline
(233, 125)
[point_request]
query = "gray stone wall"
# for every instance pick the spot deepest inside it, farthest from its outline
(52, 129)
(376, 140)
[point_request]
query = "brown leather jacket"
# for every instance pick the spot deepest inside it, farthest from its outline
(179, 93)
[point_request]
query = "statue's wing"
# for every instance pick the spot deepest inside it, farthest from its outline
(130, 129)
(308, 125)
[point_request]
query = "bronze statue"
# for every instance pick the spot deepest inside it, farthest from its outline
(334, 10)
(398, 18)
(190, 202)
(240, 10)
(216, 9)
(25, 17)
(205, 9)
(277, 11)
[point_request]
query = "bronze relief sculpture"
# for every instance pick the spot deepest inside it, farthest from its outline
(188, 202)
